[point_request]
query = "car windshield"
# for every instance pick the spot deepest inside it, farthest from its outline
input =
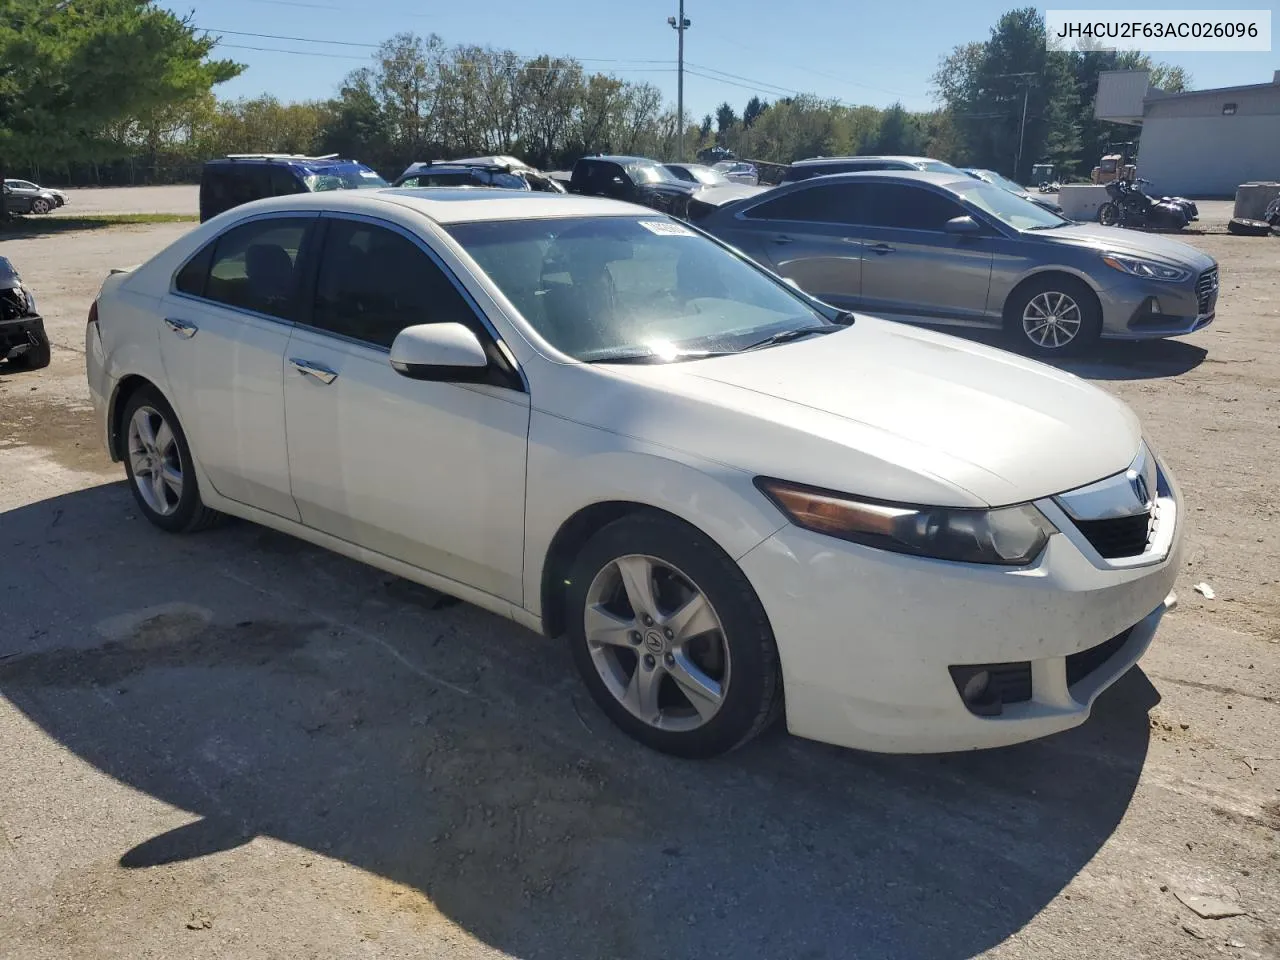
(634, 289)
(1009, 208)
(999, 181)
(706, 175)
(342, 176)
(650, 173)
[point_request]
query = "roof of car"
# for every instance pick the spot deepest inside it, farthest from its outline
(859, 176)
(620, 158)
(820, 160)
(448, 205)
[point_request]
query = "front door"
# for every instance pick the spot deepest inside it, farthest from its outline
(911, 267)
(222, 339)
(431, 474)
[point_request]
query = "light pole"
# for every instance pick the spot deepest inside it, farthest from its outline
(680, 24)
(1022, 127)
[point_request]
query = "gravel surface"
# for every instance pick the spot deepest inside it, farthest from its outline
(235, 744)
(181, 198)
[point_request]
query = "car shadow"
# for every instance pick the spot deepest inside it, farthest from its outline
(276, 690)
(1115, 359)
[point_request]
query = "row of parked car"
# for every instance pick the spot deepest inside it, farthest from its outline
(23, 196)
(911, 238)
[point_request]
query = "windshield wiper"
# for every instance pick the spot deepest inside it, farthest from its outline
(795, 333)
(648, 356)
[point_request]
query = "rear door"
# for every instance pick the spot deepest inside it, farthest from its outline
(911, 266)
(222, 339)
(804, 236)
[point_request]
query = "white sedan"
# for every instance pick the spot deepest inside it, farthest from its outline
(734, 501)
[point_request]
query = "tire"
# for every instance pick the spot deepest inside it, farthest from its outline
(1248, 228)
(1109, 214)
(736, 656)
(175, 511)
(37, 357)
(40, 205)
(1083, 323)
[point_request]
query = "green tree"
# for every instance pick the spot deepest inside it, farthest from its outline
(68, 72)
(755, 106)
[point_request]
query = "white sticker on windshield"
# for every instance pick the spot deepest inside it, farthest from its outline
(667, 228)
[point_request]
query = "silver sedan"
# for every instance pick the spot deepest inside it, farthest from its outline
(937, 248)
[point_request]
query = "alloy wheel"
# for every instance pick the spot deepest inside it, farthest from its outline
(1051, 320)
(40, 205)
(155, 461)
(657, 643)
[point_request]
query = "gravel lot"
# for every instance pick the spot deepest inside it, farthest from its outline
(234, 744)
(183, 198)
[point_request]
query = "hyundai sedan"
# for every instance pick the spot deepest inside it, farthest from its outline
(735, 502)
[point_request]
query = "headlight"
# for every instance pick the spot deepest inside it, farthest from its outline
(1147, 269)
(1011, 536)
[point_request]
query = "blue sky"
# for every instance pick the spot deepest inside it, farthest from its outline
(872, 53)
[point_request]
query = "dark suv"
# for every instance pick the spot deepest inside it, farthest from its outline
(633, 179)
(242, 177)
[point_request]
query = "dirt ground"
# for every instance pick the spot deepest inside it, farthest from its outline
(234, 744)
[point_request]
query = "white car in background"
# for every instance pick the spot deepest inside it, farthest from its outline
(738, 171)
(601, 423)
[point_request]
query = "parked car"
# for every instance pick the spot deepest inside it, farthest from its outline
(733, 500)
(949, 249)
(478, 172)
(23, 341)
(738, 171)
(59, 198)
(239, 178)
(825, 166)
(990, 176)
(21, 196)
(633, 179)
(698, 173)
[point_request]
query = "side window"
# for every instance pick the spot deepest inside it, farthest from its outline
(191, 278)
(254, 266)
(910, 208)
(821, 203)
(374, 282)
(285, 182)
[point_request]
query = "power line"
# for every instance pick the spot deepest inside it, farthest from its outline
(820, 73)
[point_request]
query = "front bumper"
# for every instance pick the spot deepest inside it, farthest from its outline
(1138, 309)
(18, 336)
(867, 638)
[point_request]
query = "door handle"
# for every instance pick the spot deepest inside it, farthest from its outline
(312, 369)
(881, 249)
(182, 328)
(782, 239)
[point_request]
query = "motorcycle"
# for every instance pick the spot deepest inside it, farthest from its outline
(1131, 206)
(23, 341)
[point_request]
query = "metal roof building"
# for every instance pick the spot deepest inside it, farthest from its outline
(1201, 143)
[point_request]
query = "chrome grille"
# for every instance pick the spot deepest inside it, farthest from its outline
(1206, 290)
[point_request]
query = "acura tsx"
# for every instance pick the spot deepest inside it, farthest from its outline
(734, 501)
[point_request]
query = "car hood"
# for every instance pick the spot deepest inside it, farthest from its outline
(1131, 242)
(888, 411)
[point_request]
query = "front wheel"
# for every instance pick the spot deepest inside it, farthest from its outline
(670, 638)
(40, 205)
(1053, 317)
(157, 461)
(1109, 214)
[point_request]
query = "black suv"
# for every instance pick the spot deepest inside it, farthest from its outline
(242, 177)
(633, 179)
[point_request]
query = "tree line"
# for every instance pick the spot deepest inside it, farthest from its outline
(420, 98)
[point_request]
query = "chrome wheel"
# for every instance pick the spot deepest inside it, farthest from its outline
(657, 643)
(1051, 320)
(155, 461)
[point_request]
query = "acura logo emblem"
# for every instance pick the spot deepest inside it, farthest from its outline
(1140, 489)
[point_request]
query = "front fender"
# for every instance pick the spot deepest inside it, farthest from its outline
(572, 465)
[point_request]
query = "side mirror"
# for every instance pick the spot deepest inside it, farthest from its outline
(448, 352)
(963, 226)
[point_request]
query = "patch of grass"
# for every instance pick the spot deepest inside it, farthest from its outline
(33, 225)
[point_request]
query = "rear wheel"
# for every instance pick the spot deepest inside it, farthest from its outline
(1053, 316)
(157, 461)
(1109, 214)
(39, 205)
(670, 639)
